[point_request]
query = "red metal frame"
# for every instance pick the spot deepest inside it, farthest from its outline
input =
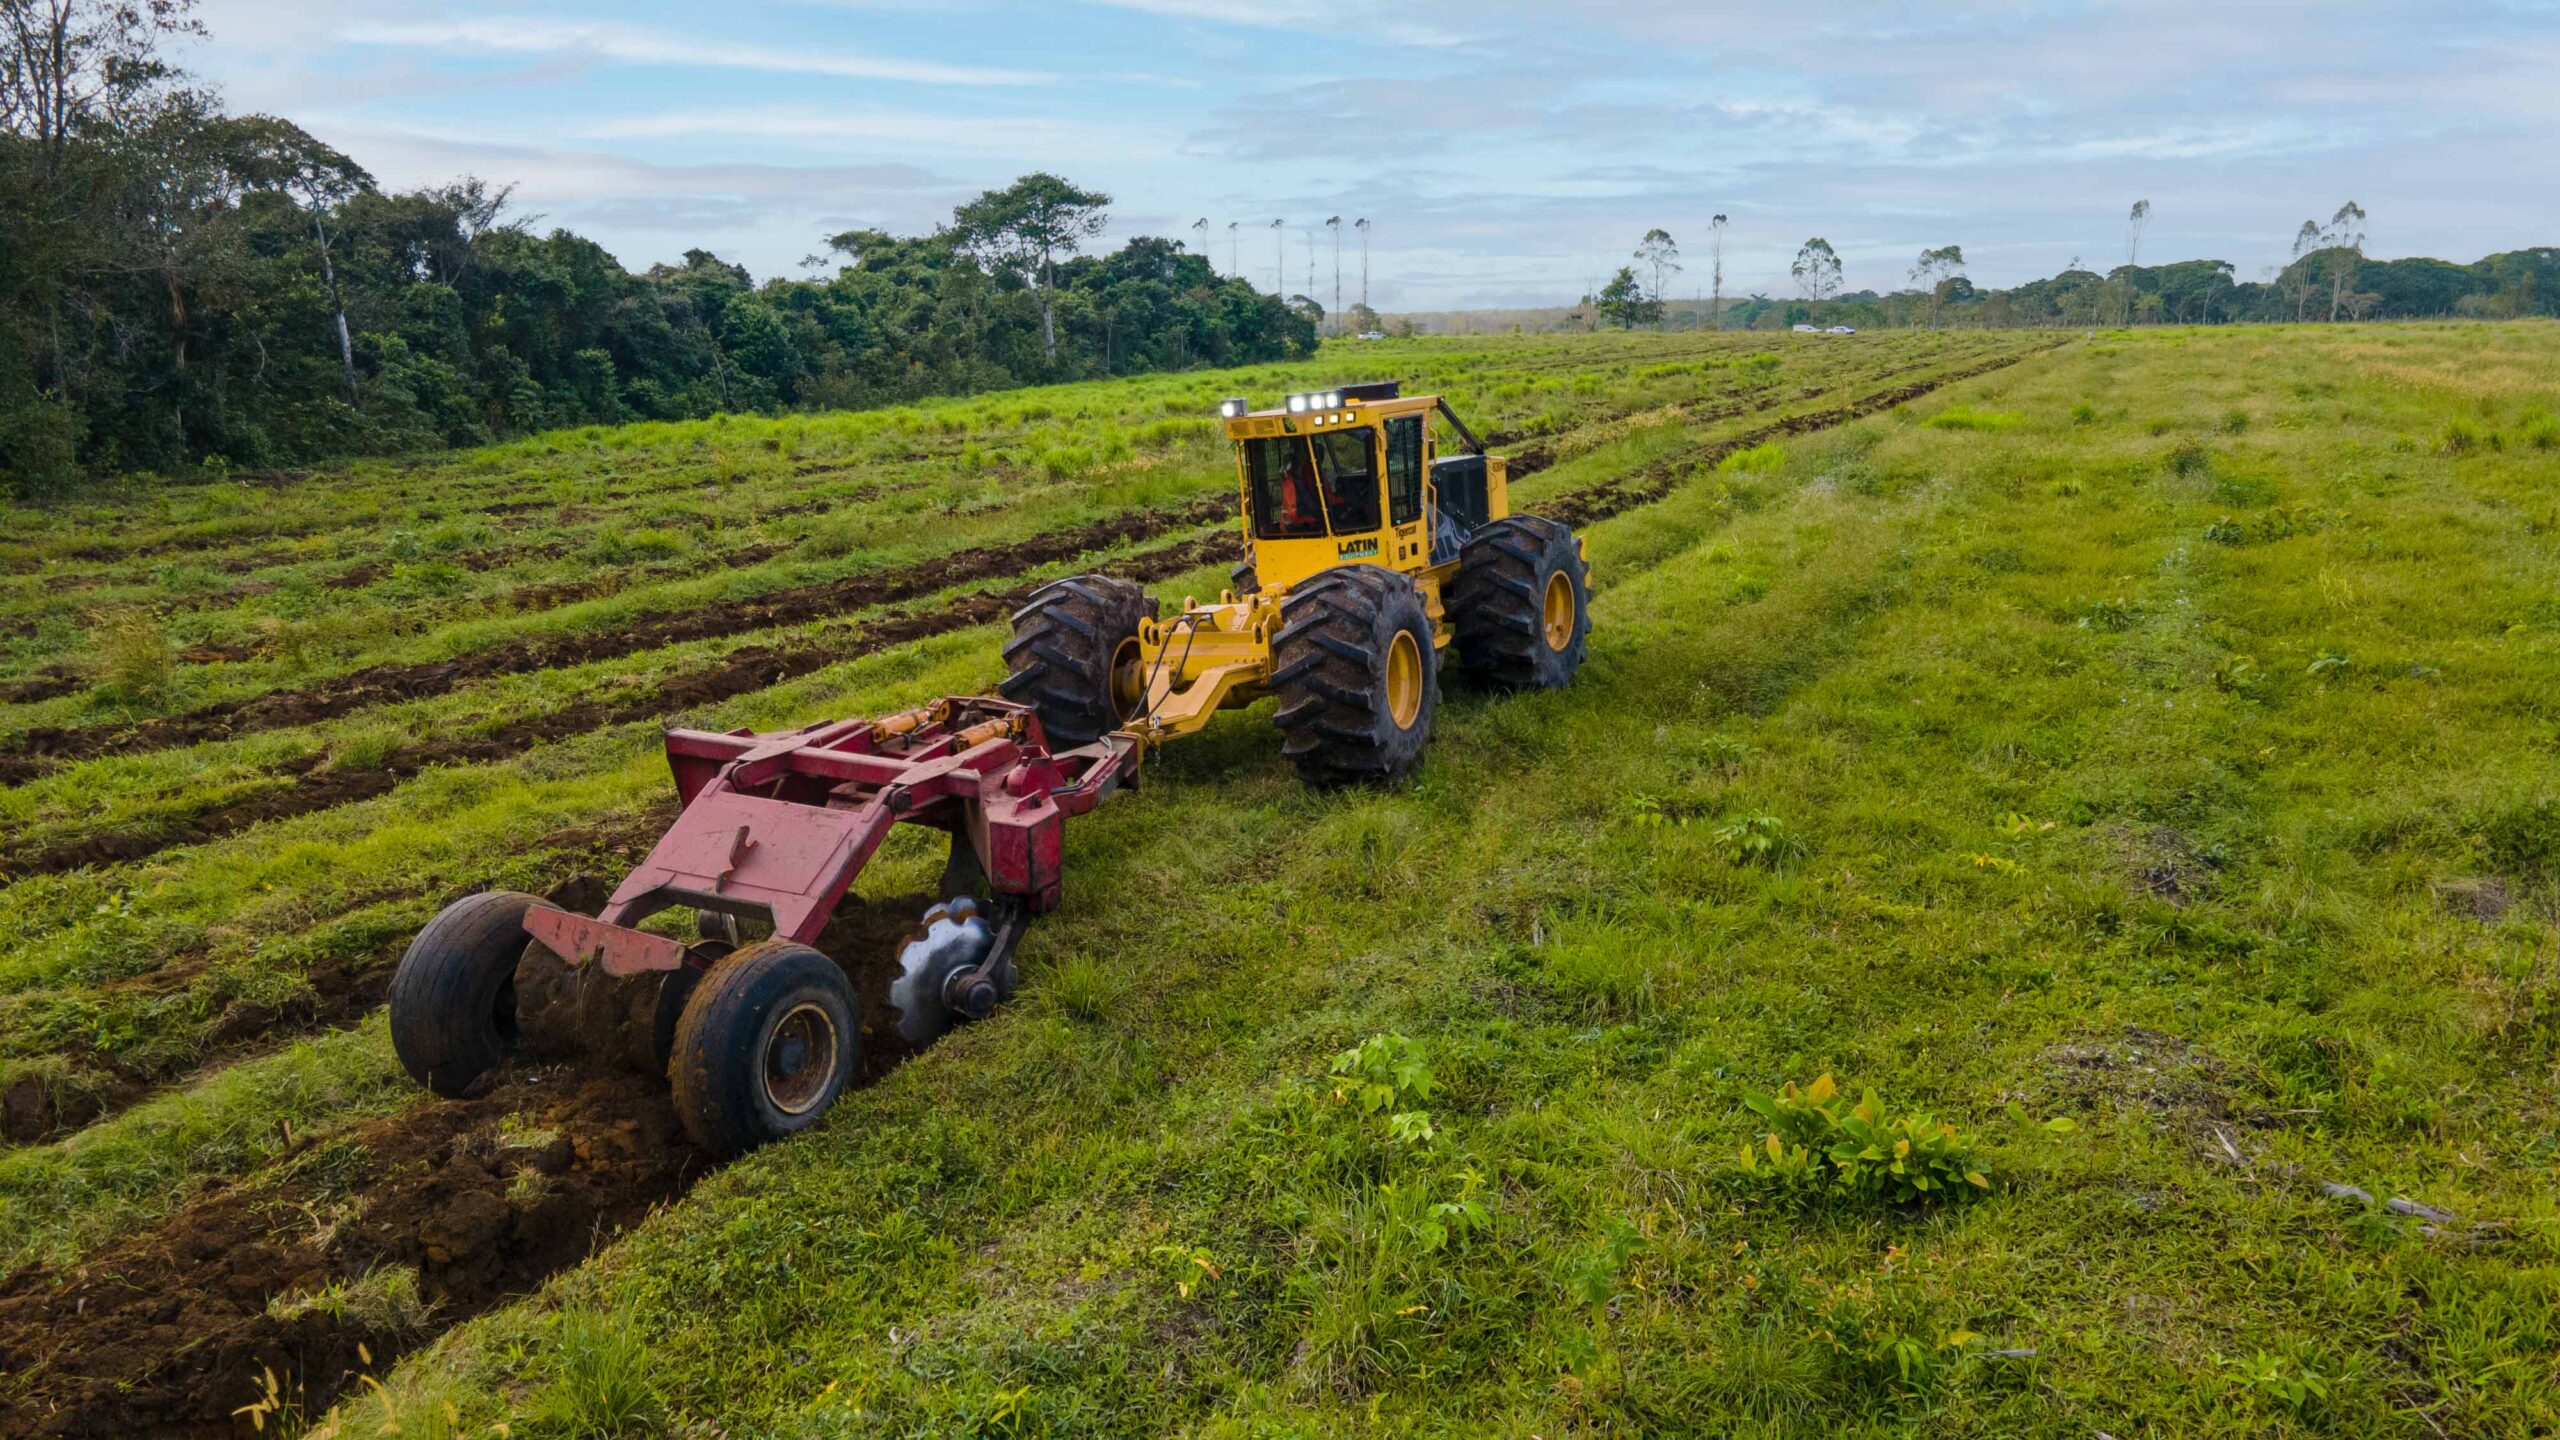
(778, 825)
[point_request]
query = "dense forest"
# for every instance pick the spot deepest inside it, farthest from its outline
(180, 286)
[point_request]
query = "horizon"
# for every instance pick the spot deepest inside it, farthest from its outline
(794, 121)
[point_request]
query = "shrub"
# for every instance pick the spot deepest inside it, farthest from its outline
(135, 659)
(1817, 1147)
(1756, 840)
(2190, 460)
(1759, 457)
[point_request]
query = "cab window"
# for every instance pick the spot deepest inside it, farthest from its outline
(1349, 460)
(1296, 481)
(1404, 469)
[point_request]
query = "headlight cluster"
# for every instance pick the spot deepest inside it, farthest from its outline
(1234, 407)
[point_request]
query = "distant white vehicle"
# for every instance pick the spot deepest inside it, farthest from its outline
(1808, 330)
(1373, 334)
(1841, 330)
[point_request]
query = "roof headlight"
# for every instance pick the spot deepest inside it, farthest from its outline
(1231, 408)
(1333, 399)
(1297, 404)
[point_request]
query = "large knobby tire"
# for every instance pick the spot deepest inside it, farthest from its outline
(1244, 579)
(1521, 603)
(767, 1042)
(1357, 676)
(1073, 657)
(453, 999)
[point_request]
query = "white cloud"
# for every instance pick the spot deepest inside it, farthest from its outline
(637, 46)
(1019, 135)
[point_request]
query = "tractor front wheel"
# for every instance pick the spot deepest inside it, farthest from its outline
(453, 999)
(767, 1042)
(1521, 603)
(1073, 657)
(1357, 675)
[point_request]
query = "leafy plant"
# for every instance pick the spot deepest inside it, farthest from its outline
(1755, 840)
(1597, 1275)
(1387, 1075)
(2287, 1380)
(1817, 1145)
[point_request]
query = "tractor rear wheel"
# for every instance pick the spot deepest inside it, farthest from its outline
(453, 999)
(1244, 579)
(1521, 603)
(767, 1042)
(1074, 658)
(1357, 676)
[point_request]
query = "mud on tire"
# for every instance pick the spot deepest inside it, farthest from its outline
(1357, 676)
(1521, 603)
(766, 1043)
(453, 999)
(1074, 654)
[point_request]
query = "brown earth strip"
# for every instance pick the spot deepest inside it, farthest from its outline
(462, 1205)
(40, 750)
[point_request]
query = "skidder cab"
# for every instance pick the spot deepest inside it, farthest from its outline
(1371, 555)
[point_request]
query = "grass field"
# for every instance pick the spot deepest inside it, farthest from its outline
(2135, 753)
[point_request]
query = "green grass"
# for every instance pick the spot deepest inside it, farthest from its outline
(2038, 835)
(1966, 762)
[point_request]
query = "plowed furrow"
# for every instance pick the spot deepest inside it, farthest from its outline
(40, 750)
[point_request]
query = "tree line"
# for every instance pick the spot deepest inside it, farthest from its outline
(2327, 278)
(181, 287)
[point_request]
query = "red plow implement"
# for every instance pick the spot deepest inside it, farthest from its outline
(759, 1038)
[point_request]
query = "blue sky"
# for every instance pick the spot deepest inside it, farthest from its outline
(1505, 151)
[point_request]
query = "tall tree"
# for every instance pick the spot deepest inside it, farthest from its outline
(2135, 222)
(1660, 254)
(69, 66)
(1933, 272)
(1715, 253)
(2343, 239)
(1817, 269)
(1025, 229)
(2306, 243)
(1623, 298)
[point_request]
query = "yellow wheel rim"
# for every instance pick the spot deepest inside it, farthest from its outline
(1404, 679)
(1128, 677)
(1559, 608)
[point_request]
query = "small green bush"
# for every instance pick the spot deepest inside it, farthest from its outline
(1815, 1147)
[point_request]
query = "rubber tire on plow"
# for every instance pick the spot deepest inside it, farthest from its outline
(1521, 603)
(767, 1042)
(1073, 657)
(453, 999)
(1357, 676)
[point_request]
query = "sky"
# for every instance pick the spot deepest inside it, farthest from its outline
(1505, 152)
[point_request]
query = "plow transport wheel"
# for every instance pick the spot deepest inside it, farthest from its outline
(1357, 676)
(765, 1045)
(453, 999)
(1521, 603)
